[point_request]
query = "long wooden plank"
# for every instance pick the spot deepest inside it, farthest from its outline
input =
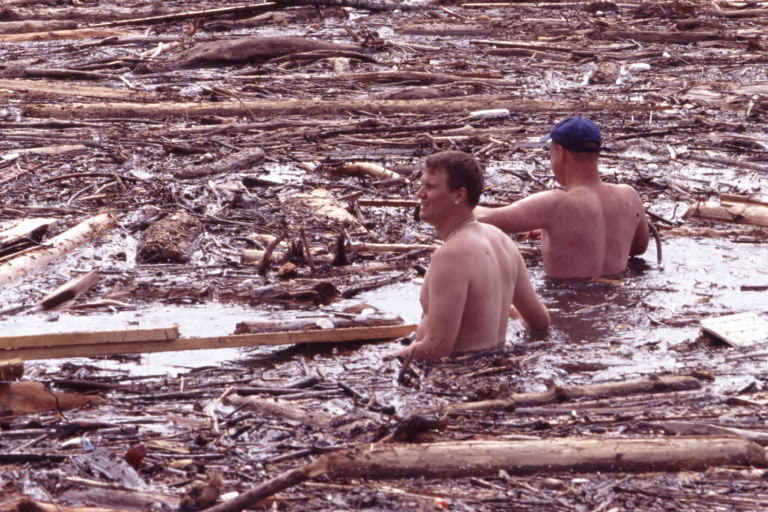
(59, 89)
(70, 339)
(232, 341)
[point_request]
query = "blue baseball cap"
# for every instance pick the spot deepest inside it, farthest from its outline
(577, 134)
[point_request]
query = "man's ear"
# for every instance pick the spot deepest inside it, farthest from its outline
(461, 194)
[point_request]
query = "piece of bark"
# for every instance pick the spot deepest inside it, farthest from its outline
(231, 163)
(170, 240)
(273, 407)
(70, 291)
(37, 257)
(31, 397)
(11, 369)
(271, 108)
(250, 49)
(651, 384)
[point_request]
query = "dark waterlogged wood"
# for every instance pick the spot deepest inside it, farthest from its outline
(170, 240)
(242, 160)
(70, 291)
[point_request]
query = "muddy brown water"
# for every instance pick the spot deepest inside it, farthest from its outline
(628, 327)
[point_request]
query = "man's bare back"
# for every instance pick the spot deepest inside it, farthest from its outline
(589, 229)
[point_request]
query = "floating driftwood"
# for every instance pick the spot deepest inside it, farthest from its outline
(70, 291)
(737, 211)
(28, 397)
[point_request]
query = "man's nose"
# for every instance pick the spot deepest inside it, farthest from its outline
(420, 192)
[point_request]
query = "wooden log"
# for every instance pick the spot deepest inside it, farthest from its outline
(269, 108)
(23, 503)
(58, 35)
(101, 346)
(478, 458)
(30, 397)
(737, 213)
(231, 163)
(56, 90)
(37, 257)
(381, 248)
(651, 384)
(57, 73)
(11, 369)
(70, 291)
(329, 322)
(487, 458)
(169, 240)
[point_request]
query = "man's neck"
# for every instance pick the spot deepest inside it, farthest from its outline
(455, 222)
(581, 175)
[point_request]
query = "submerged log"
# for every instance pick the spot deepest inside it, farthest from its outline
(58, 35)
(170, 240)
(21, 27)
(231, 163)
(56, 247)
(29, 397)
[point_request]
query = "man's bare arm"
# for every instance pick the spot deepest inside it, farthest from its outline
(527, 214)
(439, 327)
(531, 310)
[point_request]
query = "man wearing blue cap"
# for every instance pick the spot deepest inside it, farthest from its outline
(589, 228)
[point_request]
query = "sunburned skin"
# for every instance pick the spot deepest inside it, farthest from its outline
(589, 229)
(473, 279)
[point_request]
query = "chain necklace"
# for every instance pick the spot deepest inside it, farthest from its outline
(458, 228)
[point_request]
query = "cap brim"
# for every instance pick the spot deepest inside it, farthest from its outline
(546, 138)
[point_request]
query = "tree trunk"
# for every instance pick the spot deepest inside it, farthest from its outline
(169, 240)
(38, 257)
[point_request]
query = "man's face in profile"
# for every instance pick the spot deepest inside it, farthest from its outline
(436, 198)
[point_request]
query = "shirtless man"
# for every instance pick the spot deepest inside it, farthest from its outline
(588, 229)
(475, 275)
